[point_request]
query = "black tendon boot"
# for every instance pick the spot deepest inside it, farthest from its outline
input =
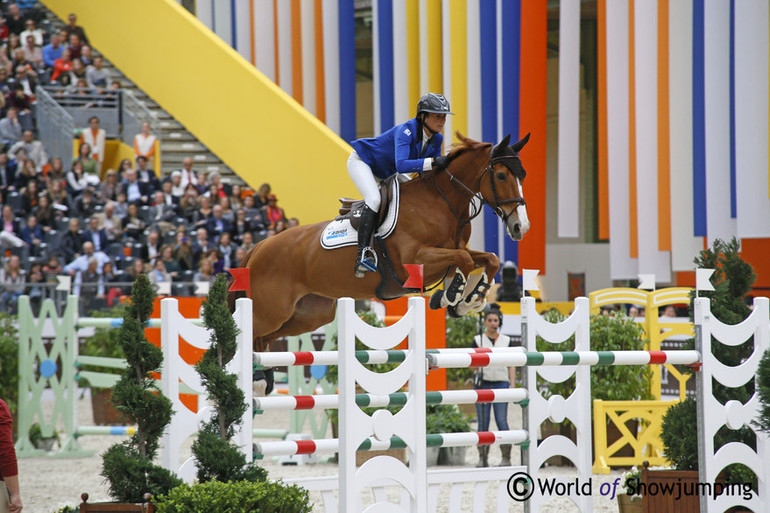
(367, 258)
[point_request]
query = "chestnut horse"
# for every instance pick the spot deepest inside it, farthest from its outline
(295, 282)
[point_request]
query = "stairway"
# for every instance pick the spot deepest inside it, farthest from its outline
(176, 143)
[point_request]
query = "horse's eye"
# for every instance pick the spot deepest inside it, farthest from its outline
(501, 177)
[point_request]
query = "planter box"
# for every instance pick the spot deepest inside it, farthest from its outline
(452, 456)
(661, 503)
(629, 504)
(105, 413)
(116, 507)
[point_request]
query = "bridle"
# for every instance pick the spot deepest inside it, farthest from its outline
(498, 203)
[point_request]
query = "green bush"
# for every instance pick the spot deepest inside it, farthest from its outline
(9, 362)
(763, 391)
(459, 333)
(680, 435)
(445, 418)
(235, 497)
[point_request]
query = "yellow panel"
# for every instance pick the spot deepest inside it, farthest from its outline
(413, 53)
(435, 83)
(254, 127)
(459, 100)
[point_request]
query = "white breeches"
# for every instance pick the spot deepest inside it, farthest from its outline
(364, 180)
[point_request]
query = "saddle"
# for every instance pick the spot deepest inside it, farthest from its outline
(351, 208)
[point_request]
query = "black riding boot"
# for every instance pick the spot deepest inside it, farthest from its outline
(367, 258)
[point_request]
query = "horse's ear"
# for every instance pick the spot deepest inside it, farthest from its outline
(505, 140)
(519, 145)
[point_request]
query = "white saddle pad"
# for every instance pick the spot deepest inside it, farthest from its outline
(340, 233)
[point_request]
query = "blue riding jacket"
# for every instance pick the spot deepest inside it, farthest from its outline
(398, 150)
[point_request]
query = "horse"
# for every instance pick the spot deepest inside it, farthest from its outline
(295, 282)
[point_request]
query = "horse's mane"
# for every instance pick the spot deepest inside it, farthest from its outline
(464, 145)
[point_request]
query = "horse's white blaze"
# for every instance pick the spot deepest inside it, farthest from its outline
(518, 218)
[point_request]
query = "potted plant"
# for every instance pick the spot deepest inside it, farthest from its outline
(447, 418)
(104, 343)
(630, 501)
(263, 496)
(763, 390)
(41, 441)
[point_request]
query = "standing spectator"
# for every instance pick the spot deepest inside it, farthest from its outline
(10, 128)
(97, 75)
(189, 175)
(33, 53)
(95, 234)
(110, 222)
(494, 378)
(15, 19)
(96, 137)
(9, 469)
(34, 149)
(144, 143)
(62, 65)
(272, 213)
(73, 28)
(12, 281)
(32, 30)
(71, 241)
(52, 51)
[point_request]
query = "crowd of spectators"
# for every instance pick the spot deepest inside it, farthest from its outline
(103, 227)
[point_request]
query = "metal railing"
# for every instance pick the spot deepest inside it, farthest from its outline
(84, 103)
(133, 113)
(55, 125)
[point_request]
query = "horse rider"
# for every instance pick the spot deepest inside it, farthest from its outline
(411, 147)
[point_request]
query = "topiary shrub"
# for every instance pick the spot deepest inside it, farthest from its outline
(679, 434)
(218, 458)
(128, 466)
(763, 391)
(235, 497)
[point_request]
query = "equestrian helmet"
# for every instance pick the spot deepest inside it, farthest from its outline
(434, 103)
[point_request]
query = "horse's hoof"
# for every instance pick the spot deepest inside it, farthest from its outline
(258, 388)
(435, 299)
(452, 311)
(478, 306)
(462, 308)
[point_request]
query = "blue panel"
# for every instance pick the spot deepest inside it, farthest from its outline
(698, 123)
(488, 70)
(233, 25)
(347, 54)
(213, 16)
(733, 193)
(511, 57)
(385, 47)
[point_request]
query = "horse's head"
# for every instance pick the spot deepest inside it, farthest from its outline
(502, 187)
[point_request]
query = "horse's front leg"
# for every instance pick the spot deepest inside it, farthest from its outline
(441, 258)
(477, 288)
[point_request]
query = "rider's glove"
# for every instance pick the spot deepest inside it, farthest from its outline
(440, 162)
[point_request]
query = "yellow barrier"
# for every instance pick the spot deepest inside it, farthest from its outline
(646, 443)
(249, 122)
(656, 331)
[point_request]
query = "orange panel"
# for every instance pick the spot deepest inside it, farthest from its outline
(532, 111)
(664, 150)
(296, 51)
(755, 252)
(603, 169)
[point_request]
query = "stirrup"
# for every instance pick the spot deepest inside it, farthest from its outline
(367, 262)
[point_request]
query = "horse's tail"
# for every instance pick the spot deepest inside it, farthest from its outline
(232, 296)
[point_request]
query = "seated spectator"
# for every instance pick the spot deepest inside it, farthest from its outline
(247, 241)
(227, 211)
(45, 214)
(251, 212)
(60, 201)
(89, 285)
(7, 175)
(112, 282)
(205, 272)
(71, 242)
(110, 187)
(146, 174)
(30, 196)
(217, 189)
(216, 261)
(52, 269)
(97, 75)
(133, 226)
(32, 235)
(293, 221)
(25, 73)
(183, 253)
(81, 263)
(96, 137)
(34, 150)
(77, 180)
(12, 284)
(177, 187)
(668, 311)
(189, 175)
(52, 51)
(204, 212)
(162, 214)
(217, 225)
(5, 78)
(137, 268)
(32, 30)
(33, 53)
(4, 32)
(242, 226)
(281, 225)
(188, 204)
(240, 257)
(151, 246)
(167, 256)
(262, 195)
(226, 249)
(121, 204)
(14, 43)
(73, 28)
(159, 274)
(137, 193)
(35, 283)
(201, 245)
(236, 201)
(124, 166)
(144, 143)
(28, 174)
(95, 234)
(20, 101)
(15, 19)
(55, 172)
(76, 47)
(169, 198)
(86, 56)
(272, 213)
(110, 222)
(62, 66)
